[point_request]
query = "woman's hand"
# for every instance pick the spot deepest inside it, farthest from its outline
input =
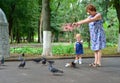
(68, 27)
(76, 24)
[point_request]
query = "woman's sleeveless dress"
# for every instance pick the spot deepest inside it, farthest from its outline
(97, 35)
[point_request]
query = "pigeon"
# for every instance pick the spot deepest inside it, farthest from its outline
(2, 61)
(54, 70)
(37, 60)
(71, 64)
(51, 62)
(21, 57)
(22, 64)
(23, 54)
(44, 60)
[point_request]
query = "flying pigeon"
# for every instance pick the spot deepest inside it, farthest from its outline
(37, 60)
(51, 62)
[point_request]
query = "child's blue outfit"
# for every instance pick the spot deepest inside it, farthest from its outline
(79, 48)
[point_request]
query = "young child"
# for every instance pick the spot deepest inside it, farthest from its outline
(78, 49)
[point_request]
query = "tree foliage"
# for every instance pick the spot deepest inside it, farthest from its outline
(24, 15)
(23, 18)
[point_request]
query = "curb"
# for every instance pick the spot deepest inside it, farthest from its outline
(55, 58)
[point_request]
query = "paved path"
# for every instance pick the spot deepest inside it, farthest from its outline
(38, 73)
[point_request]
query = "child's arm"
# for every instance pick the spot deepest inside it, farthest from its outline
(81, 41)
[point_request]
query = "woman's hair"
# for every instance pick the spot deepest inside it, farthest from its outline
(90, 7)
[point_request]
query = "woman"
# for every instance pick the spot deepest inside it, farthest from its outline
(97, 35)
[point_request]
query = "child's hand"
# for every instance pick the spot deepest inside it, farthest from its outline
(81, 41)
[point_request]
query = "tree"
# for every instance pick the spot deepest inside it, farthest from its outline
(22, 16)
(40, 23)
(46, 28)
(117, 6)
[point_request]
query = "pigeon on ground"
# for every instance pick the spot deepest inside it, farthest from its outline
(71, 64)
(22, 64)
(2, 61)
(44, 61)
(37, 60)
(54, 70)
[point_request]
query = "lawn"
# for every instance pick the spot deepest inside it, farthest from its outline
(59, 50)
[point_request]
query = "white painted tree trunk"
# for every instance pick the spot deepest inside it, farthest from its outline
(119, 43)
(47, 46)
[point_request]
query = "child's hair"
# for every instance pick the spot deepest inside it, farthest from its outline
(78, 35)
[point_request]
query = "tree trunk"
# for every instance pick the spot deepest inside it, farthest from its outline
(47, 50)
(40, 24)
(117, 6)
(46, 28)
(40, 30)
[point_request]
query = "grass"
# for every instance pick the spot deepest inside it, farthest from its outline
(61, 50)
(108, 51)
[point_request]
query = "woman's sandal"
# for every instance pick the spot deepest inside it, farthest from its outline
(98, 65)
(93, 65)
